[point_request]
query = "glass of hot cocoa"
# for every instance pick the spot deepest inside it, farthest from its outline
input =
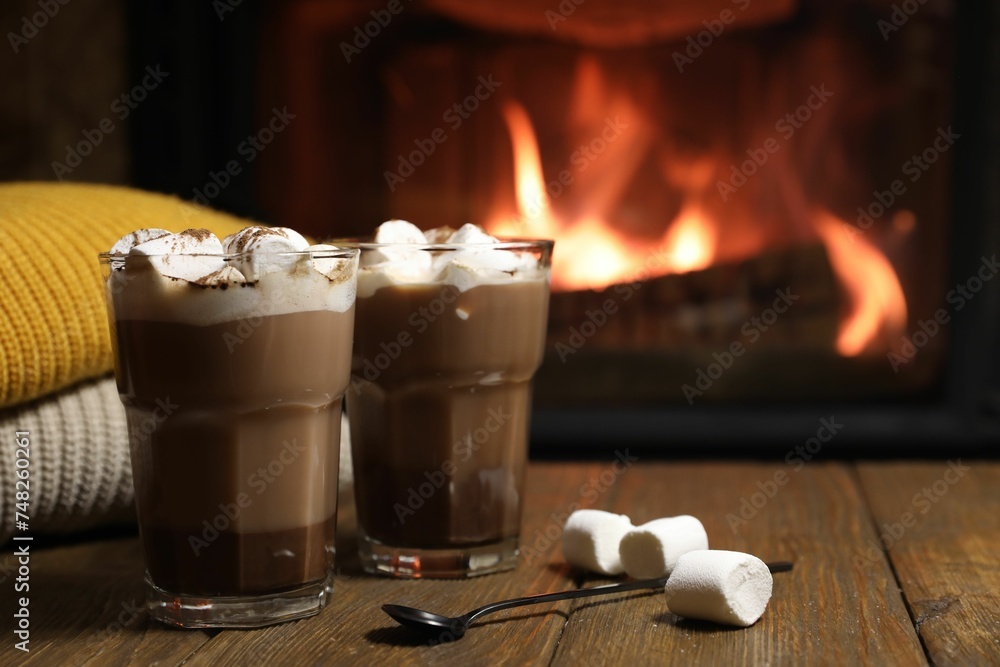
(450, 329)
(232, 358)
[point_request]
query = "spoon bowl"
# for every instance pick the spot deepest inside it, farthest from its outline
(425, 622)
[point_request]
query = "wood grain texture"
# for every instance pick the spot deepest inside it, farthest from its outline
(842, 604)
(938, 523)
(823, 612)
(87, 608)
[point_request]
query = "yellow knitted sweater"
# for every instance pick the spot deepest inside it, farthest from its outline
(53, 321)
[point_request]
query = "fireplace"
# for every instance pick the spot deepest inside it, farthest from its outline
(755, 203)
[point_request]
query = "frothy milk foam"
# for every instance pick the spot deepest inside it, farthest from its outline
(255, 272)
(467, 259)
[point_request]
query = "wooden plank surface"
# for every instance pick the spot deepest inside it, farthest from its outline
(823, 612)
(843, 603)
(939, 523)
(87, 608)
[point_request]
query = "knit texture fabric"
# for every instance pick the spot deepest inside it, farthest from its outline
(53, 319)
(79, 471)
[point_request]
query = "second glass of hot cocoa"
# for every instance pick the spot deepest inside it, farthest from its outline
(450, 328)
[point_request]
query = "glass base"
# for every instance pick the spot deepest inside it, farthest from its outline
(456, 563)
(245, 611)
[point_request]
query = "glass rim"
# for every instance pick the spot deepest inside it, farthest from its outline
(323, 253)
(505, 243)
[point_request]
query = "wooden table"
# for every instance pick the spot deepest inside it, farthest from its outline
(930, 597)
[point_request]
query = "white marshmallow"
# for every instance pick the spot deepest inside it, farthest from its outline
(407, 264)
(722, 586)
(189, 255)
(409, 259)
(399, 231)
(470, 233)
(170, 277)
(335, 268)
(264, 250)
(482, 257)
(590, 540)
(464, 277)
(652, 549)
(439, 234)
(264, 239)
(226, 275)
(129, 241)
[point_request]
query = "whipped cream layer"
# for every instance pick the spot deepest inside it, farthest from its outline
(194, 277)
(463, 258)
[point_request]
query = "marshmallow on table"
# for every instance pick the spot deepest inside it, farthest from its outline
(723, 586)
(590, 540)
(652, 549)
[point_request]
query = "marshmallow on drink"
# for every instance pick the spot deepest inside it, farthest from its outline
(463, 258)
(264, 250)
(590, 540)
(652, 549)
(723, 586)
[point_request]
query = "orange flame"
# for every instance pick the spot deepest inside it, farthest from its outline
(532, 200)
(877, 304)
(592, 253)
(690, 240)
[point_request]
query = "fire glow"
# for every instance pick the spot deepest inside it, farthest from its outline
(593, 253)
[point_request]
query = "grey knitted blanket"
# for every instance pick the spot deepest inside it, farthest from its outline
(79, 472)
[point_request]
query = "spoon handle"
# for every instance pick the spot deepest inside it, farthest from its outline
(623, 587)
(566, 595)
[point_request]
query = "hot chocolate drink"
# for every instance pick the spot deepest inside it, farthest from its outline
(448, 338)
(232, 359)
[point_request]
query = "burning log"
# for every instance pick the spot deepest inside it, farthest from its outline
(712, 335)
(708, 309)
